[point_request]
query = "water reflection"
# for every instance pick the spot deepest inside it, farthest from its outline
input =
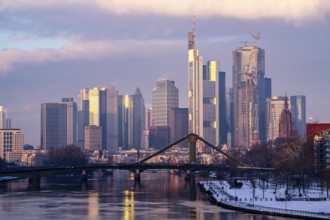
(156, 196)
(128, 206)
(93, 204)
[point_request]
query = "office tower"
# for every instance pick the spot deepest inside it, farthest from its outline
(268, 88)
(214, 104)
(298, 110)
(159, 137)
(11, 144)
(138, 118)
(148, 119)
(178, 124)
(111, 117)
(103, 112)
(275, 107)
(145, 132)
(124, 120)
(195, 86)
(58, 124)
(82, 115)
(223, 124)
(229, 115)
(249, 96)
(164, 97)
(286, 127)
(131, 120)
(5, 122)
(93, 138)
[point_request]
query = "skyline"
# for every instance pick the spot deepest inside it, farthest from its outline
(45, 57)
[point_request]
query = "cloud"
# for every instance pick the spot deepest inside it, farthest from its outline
(289, 10)
(82, 50)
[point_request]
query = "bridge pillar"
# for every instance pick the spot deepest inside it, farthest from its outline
(107, 172)
(84, 176)
(192, 139)
(137, 175)
(34, 181)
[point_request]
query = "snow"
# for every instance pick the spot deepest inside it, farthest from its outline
(265, 200)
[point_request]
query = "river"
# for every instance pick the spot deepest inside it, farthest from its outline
(158, 195)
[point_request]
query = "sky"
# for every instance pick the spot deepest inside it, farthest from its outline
(53, 48)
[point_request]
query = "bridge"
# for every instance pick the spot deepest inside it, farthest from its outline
(34, 173)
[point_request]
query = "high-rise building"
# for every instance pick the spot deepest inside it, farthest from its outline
(5, 122)
(195, 86)
(131, 120)
(268, 88)
(286, 127)
(82, 115)
(148, 119)
(249, 92)
(178, 123)
(223, 124)
(159, 137)
(103, 112)
(11, 144)
(58, 124)
(138, 118)
(93, 138)
(275, 107)
(229, 115)
(214, 104)
(298, 110)
(165, 96)
(111, 118)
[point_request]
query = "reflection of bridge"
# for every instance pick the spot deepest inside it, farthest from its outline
(34, 173)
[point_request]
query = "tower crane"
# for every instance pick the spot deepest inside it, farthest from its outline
(255, 35)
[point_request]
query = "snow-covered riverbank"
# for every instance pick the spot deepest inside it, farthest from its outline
(265, 200)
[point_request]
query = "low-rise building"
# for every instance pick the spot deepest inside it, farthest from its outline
(11, 144)
(322, 151)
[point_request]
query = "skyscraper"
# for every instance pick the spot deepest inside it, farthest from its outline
(138, 118)
(214, 104)
(5, 122)
(58, 124)
(229, 115)
(275, 107)
(249, 96)
(178, 123)
(103, 112)
(82, 115)
(131, 122)
(298, 110)
(164, 97)
(195, 86)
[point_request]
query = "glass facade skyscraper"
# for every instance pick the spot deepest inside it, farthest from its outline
(82, 115)
(165, 96)
(249, 92)
(298, 110)
(131, 120)
(275, 107)
(58, 124)
(103, 112)
(195, 86)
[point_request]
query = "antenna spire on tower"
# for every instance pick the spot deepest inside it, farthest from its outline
(194, 22)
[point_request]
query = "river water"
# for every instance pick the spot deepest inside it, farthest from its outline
(157, 196)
